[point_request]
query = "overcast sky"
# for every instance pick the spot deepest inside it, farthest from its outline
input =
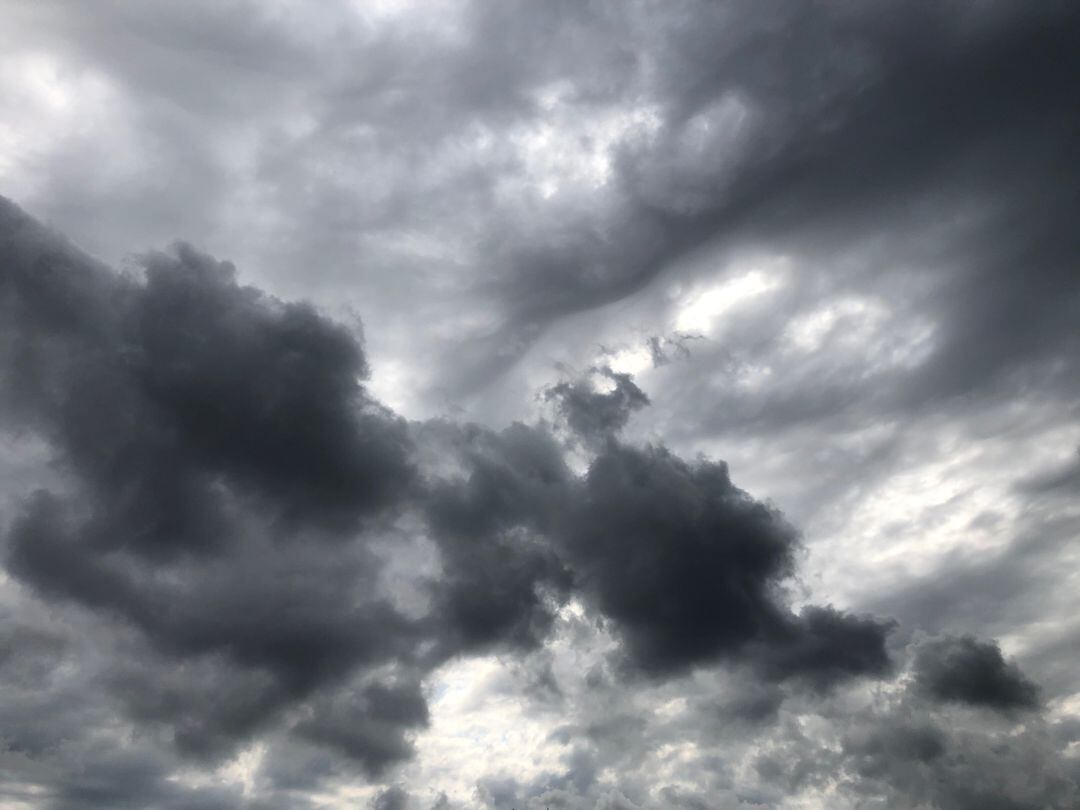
(433, 404)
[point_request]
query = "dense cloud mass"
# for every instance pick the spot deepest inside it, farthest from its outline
(967, 671)
(482, 551)
(224, 470)
(595, 415)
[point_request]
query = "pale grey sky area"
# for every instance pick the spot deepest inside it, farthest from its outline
(594, 405)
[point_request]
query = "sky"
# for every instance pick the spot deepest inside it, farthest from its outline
(580, 404)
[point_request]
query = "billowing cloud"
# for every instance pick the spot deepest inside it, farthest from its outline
(595, 414)
(224, 477)
(964, 670)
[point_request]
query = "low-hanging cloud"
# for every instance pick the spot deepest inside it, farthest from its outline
(224, 473)
(965, 670)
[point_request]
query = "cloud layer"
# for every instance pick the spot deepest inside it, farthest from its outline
(482, 551)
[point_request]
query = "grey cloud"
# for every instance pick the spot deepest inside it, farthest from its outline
(209, 431)
(393, 798)
(772, 121)
(63, 744)
(1063, 480)
(314, 641)
(823, 646)
(369, 727)
(206, 430)
(905, 743)
(916, 143)
(595, 415)
(755, 704)
(964, 670)
(28, 653)
(665, 349)
(492, 522)
(571, 787)
(871, 103)
(688, 567)
(1000, 592)
(204, 706)
(903, 766)
(116, 778)
(221, 465)
(705, 588)
(268, 392)
(161, 393)
(907, 755)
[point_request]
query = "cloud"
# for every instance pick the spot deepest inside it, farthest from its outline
(909, 765)
(393, 798)
(1062, 480)
(241, 567)
(370, 727)
(171, 396)
(688, 567)
(414, 140)
(208, 432)
(596, 414)
(748, 143)
(680, 559)
(492, 522)
(227, 481)
(824, 646)
(964, 670)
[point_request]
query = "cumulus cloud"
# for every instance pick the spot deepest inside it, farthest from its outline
(688, 567)
(963, 670)
(225, 474)
(595, 414)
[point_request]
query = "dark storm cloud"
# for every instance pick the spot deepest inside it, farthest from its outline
(58, 747)
(166, 397)
(492, 522)
(689, 567)
(224, 467)
(965, 123)
(595, 415)
(812, 126)
(282, 629)
(755, 705)
(369, 727)
(169, 396)
(205, 429)
(686, 566)
(823, 646)
(679, 558)
(964, 670)
(119, 778)
(903, 742)
(911, 754)
(802, 123)
(914, 749)
(1007, 590)
(268, 392)
(393, 798)
(204, 704)
(911, 763)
